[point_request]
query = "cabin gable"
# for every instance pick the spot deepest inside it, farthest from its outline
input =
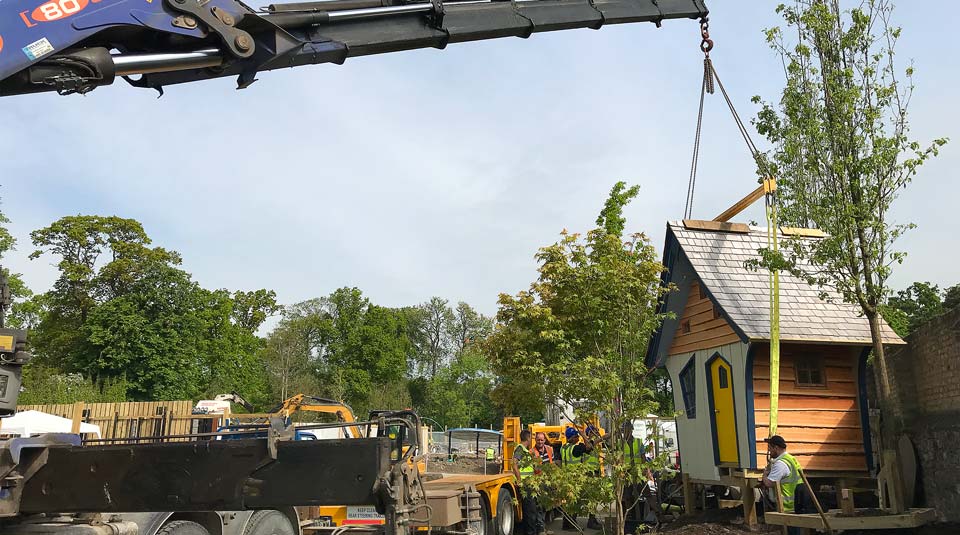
(702, 324)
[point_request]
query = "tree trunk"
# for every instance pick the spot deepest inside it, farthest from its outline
(887, 400)
(619, 528)
(892, 422)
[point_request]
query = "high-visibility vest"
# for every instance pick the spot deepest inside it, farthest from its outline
(566, 454)
(789, 484)
(592, 458)
(546, 457)
(633, 450)
(525, 466)
(491, 454)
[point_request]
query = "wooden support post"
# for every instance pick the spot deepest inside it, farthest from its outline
(77, 417)
(749, 504)
(894, 482)
(846, 501)
(688, 496)
(779, 493)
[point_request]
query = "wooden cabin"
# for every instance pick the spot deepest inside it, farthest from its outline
(717, 352)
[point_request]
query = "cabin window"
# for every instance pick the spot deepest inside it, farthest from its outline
(685, 326)
(810, 372)
(688, 387)
(724, 381)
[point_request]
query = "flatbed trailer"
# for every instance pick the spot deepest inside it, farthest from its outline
(53, 485)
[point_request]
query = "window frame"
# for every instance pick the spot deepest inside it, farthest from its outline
(813, 362)
(689, 394)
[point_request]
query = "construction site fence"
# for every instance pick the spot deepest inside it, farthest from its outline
(137, 421)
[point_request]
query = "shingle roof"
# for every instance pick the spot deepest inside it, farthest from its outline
(718, 259)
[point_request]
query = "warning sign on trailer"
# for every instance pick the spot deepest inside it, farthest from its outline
(363, 514)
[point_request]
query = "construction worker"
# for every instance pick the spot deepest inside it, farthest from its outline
(575, 452)
(593, 442)
(524, 461)
(639, 496)
(783, 468)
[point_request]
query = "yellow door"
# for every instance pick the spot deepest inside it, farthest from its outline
(726, 438)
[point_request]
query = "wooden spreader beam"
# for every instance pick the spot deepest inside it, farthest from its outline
(861, 519)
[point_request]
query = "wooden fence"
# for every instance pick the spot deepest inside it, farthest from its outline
(135, 420)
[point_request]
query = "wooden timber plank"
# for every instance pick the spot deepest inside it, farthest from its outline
(804, 232)
(833, 462)
(830, 419)
(913, 518)
(813, 434)
(718, 226)
(817, 448)
(701, 335)
(835, 374)
(695, 307)
(705, 320)
(806, 403)
(730, 338)
(835, 390)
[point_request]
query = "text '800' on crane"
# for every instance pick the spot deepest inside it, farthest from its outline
(73, 46)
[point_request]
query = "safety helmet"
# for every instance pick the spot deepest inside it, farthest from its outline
(570, 432)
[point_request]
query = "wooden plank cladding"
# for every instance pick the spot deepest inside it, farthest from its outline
(819, 413)
(826, 462)
(134, 419)
(700, 326)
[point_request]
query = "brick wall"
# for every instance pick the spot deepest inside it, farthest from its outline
(926, 383)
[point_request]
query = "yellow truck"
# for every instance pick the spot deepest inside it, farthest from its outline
(465, 491)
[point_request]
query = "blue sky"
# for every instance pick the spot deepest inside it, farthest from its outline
(439, 172)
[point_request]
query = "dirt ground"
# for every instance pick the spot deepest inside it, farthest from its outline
(730, 522)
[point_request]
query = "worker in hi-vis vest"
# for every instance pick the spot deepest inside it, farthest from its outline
(577, 452)
(525, 460)
(783, 468)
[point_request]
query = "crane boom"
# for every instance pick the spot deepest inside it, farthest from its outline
(74, 46)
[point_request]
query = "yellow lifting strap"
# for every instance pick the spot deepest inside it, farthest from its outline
(770, 190)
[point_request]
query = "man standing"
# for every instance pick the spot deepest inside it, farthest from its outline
(573, 452)
(784, 469)
(524, 461)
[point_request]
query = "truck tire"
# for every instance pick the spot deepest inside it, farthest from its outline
(485, 526)
(183, 527)
(269, 523)
(506, 517)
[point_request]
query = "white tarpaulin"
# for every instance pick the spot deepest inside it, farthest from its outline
(29, 423)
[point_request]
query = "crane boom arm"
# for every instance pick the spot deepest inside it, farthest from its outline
(74, 46)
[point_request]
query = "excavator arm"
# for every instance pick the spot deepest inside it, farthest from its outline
(74, 46)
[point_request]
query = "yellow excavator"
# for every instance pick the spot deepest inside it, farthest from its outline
(290, 408)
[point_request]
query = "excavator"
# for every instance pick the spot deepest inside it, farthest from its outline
(75, 46)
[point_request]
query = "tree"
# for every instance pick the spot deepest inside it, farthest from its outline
(466, 325)
(251, 309)
(122, 312)
(920, 302)
(842, 151)
(951, 297)
(20, 313)
(287, 357)
(581, 331)
(434, 321)
(352, 347)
